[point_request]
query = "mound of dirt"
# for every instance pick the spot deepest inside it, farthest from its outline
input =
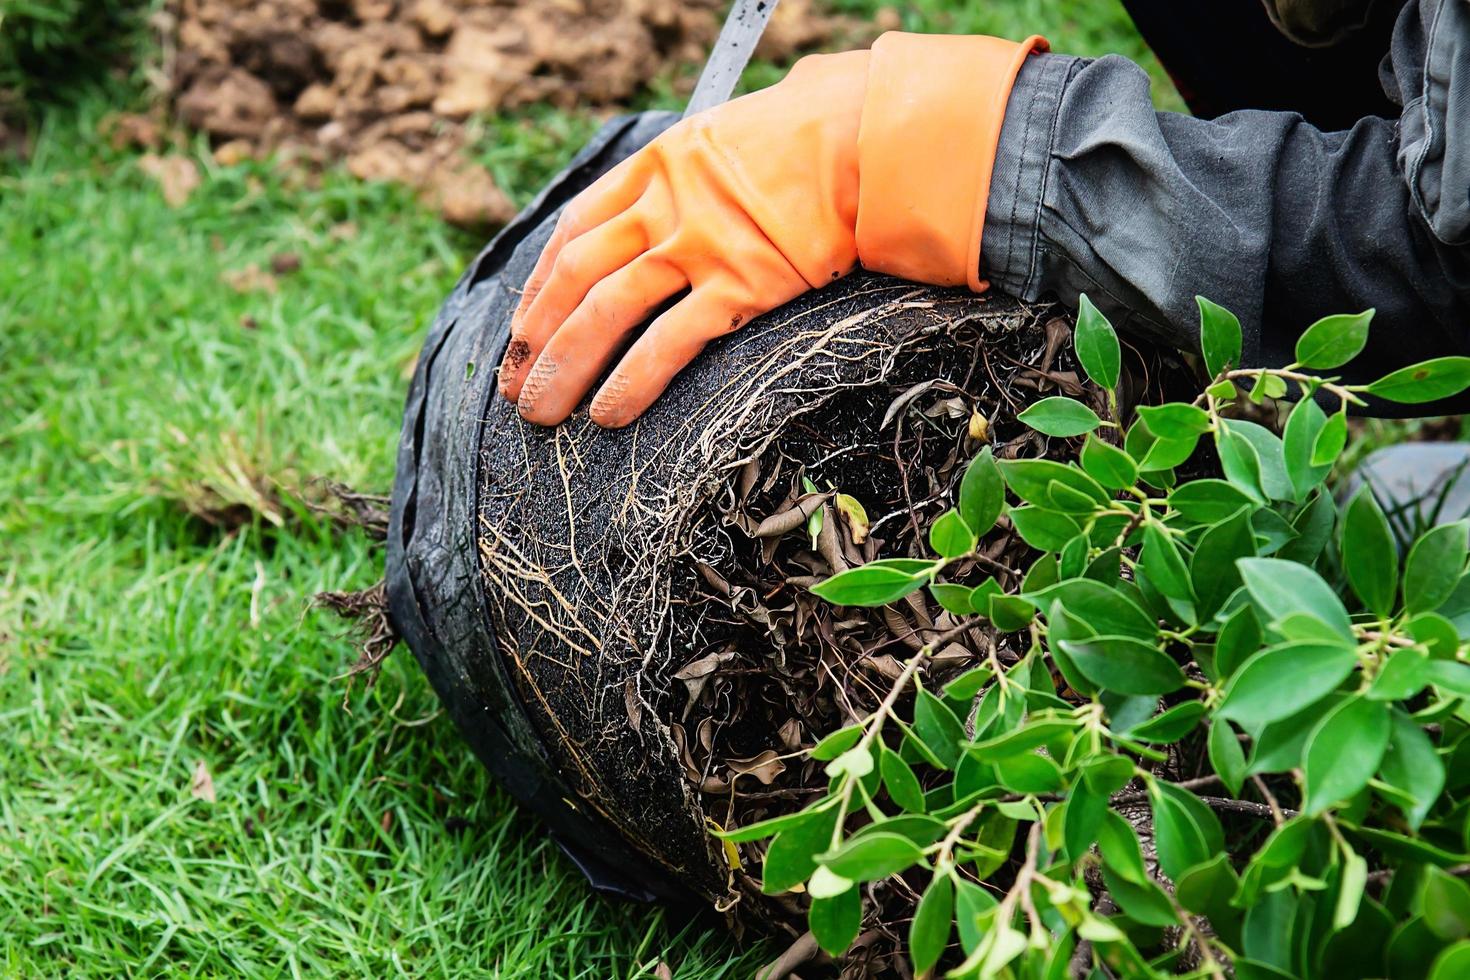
(387, 84)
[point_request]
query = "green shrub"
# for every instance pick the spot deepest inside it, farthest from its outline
(1237, 668)
(46, 46)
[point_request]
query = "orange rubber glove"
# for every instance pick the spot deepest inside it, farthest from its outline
(880, 156)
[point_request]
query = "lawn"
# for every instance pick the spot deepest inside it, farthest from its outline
(189, 785)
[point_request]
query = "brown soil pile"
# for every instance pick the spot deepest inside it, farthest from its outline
(387, 84)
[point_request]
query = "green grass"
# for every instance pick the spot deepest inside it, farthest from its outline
(138, 640)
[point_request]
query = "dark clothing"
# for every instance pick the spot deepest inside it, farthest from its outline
(1281, 222)
(1326, 68)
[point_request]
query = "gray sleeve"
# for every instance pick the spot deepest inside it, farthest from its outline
(1094, 191)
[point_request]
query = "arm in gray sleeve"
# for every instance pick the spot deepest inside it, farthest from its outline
(1094, 191)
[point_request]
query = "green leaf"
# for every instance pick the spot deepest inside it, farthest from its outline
(1096, 344)
(1208, 501)
(1213, 567)
(950, 536)
(953, 598)
(980, 594)
(1082, 816)
(1030, 479)
(767, 828)
(1330, 441)
(1279, 745)
(1170, 726)
(1240, 637)
(1165, 454)
(1222, 391)
(872, 856)
(1333, 340)
(1412, 766)
(1175, 420)
(1410, 950)
(1298, 440)
(1426, 381)
(929, 933)
(938, 728)
(1277, 859)
(1029, 772)
(1446, 905)
(1060, 416)
(968, 684)
(1219, 336)
(1038, 730)
(1343, 752)
(1143, 902)
(903, 786)
(971, 904)
(1045, 530)
(1450, 675)
(1283, 588)
(855, 762)
(982, 493)
(1313, 526)
(791, 855)
(1452, 963)
(1403, 675)
(835, 921)
(1100, 608)
(1125, 665)
(1186, 831)
(1009, 613)
(1434, 566)
(1350, 890)
(826, 883)
(1369, 555)
(920, 828)
(1162, 562)
(1117, 844)
(1281, 680)
(1436, 634)
(1267, 386)
(837, 743)
(875, 584)
(992, 835)
(1270, 457)
(1061, 497)
(1239, 461)
(1108, 465)
(1226, 755)
(1205, 889)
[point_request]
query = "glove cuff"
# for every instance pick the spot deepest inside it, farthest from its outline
(926, 146)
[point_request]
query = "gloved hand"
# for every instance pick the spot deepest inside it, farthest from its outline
(882, 157)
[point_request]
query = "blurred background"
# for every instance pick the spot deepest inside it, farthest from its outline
(224, 227)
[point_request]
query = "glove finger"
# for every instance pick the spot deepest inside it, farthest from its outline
(579, 266)
(609, 196)
(580, 350)
(664, 349)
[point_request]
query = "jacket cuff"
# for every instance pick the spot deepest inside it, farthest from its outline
(1010, 258)
(931, 118)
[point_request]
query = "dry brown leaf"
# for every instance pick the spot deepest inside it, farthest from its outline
(201, 786)
(250, 279)
(177, 176)
(766, 766)
(632, 705)
(285, 263)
